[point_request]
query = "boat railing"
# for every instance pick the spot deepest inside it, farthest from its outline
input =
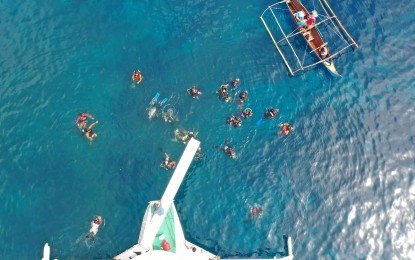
(145, 219)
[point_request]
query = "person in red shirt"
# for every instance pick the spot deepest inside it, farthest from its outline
(137, 77)
(81, 120)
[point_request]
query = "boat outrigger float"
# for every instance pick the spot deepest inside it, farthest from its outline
(307, 26)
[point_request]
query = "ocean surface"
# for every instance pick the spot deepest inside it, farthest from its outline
(341, 184)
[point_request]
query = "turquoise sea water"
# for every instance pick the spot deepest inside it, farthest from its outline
(342, 185)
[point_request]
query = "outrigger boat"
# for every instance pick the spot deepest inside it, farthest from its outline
(310, 33)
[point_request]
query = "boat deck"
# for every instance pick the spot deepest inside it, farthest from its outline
(166, 231)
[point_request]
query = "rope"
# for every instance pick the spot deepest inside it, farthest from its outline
(337, 29)
(305, 52)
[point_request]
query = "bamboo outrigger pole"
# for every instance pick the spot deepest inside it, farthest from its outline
(320, 61)
(341, 26)
(291, 35)
(276, 45)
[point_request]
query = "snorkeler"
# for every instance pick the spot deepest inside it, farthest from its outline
(246, 113)
(89, 133)
(229, 151)
(168, 164)
(137, 76)
(155, 106)
(223, 92)
(81, 120)
(234, 83)
(285, 129)
(199, 154)
(184, 136)
(95, 224)
(234, 121)
(256, 212)
(243, 96)
(271, 113)
(194, 92)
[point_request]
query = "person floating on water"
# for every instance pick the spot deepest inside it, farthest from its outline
(137, 76)
(243, 96)
(168, 115)
(255, 212)
(223, 92)
(233, 84)
(81, 120)
(285, 129)
(156, 106)
(229, 151)
(270, 113)
(246, 113)
(168, 164)
(89, 133)
(95, 224)
(234, 121)
(184, 136)
(194, 92)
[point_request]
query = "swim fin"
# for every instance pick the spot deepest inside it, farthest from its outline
(154, 100)
(259, 122)
(164, 101)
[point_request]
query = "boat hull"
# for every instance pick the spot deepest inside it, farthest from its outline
(312, 36)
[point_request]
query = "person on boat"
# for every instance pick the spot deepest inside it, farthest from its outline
(194, 92)
(137, 76)
(270, 113)
(234, 83)
(246, 113)
(311, 20)
(223, 92)
(300, 18)
(165, 245)
(95, 224)
(81, 120)
(89, 133)
(323, 52)
(234, 121)
(168, 164)
(285, 129)
(243, 96)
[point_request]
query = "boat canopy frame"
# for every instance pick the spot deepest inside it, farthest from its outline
(330, 17)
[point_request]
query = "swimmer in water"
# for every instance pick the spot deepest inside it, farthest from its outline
(81, 120)
(89, 133)
(234, 83)
(246, 113)
(194, 92)
(243, 96)
(168, 164)
(270, 113)
(95, 224)
(223, 92)
(229, 151)
(234, 121)
(137, 76)
(285, 129)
